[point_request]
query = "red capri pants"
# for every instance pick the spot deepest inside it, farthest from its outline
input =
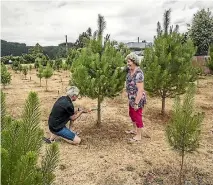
(136, 116)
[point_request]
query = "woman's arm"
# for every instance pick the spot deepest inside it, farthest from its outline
(139, 95)
(140, 87)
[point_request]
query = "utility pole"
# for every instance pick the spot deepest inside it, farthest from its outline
(66, 45)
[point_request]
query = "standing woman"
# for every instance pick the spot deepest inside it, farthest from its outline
(136, 95)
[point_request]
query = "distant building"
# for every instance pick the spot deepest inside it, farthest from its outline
(138, 47)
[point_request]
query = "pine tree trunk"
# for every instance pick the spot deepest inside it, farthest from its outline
(46, 84)
(40, 82)
(99, 112)
(163, 103)
(181, 167)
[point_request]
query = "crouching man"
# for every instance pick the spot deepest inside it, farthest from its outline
(62, 112)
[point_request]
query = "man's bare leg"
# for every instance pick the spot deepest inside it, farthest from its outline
(70, 127)
(75, 141)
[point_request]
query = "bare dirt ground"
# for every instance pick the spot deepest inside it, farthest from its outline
(105, 157)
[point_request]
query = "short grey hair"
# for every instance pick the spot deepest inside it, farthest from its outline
(73, 90)
(134, 58)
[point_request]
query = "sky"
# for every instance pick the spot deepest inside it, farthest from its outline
(47, 22)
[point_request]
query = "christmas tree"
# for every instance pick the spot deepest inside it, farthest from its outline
(183, 131)
(5, 75)
(167, 64)
(20, 147)
(96, 72)
(47, 73)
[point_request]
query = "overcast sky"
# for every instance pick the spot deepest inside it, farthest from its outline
(47, 22)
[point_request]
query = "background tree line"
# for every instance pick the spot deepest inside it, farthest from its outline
(17, 49)
(53, 52)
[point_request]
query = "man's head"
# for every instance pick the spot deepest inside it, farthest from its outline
(73, 93)
(132, 60)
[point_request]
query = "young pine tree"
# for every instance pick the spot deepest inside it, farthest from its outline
(40, 73)
(40, 59)
(5, 76)
(183, 131)
(25, 71)
(95, 71)
(72, 56)
(167, 64)
(47, 73)
(37, 63)
(58, 64)
(20, 68)
(30, 69)
(15, 65)
(20, 147)
(65, 66)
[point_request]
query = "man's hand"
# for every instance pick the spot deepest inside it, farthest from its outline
(88, 111)
(76, 115)
(83, 110)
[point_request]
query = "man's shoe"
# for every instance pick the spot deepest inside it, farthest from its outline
(47, 140)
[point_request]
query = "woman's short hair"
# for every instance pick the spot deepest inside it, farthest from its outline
(72, 91)
(133, 57)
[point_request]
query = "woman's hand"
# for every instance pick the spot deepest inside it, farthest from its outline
(136, 107)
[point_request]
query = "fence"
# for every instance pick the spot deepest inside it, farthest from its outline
(201, 61)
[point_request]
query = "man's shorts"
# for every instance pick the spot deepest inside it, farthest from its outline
(65, 133)
(136, 116)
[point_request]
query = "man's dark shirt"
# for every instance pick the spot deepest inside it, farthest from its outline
(60, 114)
